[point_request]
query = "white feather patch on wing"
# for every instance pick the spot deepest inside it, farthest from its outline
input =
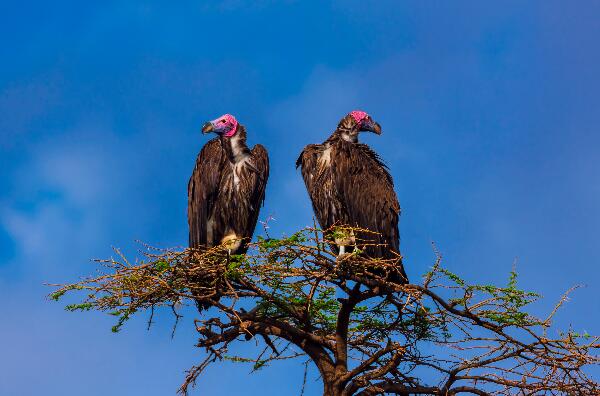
(325, 157)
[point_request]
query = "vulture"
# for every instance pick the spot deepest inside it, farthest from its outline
(349, 184)
(227, 188)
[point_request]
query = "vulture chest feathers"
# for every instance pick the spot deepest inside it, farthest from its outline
(225, 193)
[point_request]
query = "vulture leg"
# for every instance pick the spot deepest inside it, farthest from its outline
(345, 241)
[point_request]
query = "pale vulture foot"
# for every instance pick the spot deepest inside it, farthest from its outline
(346, 240)
(231, 242)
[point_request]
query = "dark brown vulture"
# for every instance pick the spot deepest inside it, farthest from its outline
(349, 184)
(227, 188)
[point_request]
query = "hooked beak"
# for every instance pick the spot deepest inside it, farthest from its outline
(372, 126)
(207, 128)
(376, 128)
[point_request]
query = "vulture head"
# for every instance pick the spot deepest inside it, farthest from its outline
(226, 125)
(355, 122)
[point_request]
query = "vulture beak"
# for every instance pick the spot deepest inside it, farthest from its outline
(207, 128)
(376, 128)
(372, 126)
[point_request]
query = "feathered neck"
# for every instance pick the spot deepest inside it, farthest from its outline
(347, 130)
(235, 146)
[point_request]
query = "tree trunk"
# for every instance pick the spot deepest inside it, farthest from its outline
(330, 389)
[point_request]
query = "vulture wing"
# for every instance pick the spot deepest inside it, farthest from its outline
(367, 190)
(349, 184)
(252, 187)
(203, 190)
(315, 162)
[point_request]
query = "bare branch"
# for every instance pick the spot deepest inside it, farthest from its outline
(365, 334)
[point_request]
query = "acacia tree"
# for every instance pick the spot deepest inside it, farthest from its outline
(365, 335)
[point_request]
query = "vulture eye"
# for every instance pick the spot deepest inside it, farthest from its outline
(223, 121)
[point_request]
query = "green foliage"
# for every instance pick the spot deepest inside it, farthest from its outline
(79, 307)
(325, 308)
(257, 363)
(339, 233)
(508, 301)
(574, 335)
(271, 244)
(235, 267)
(59, 293)
(453, 277)
(161, 265)
(124, 315)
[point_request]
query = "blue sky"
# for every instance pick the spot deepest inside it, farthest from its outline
(490, 127)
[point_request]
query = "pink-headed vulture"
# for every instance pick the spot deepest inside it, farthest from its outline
(227, 188)
(349, 184)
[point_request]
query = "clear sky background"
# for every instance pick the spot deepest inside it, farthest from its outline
(490, 115)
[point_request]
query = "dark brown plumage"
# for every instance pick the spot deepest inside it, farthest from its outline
(226, 191)
(348, 184)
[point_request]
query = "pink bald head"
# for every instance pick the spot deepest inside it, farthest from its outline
(226, 125)
(358, 116)
(364, 122)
